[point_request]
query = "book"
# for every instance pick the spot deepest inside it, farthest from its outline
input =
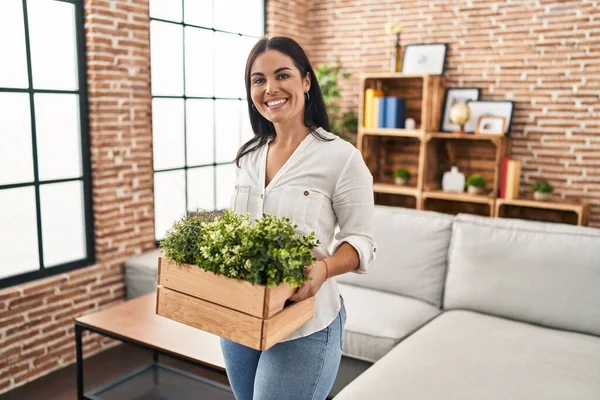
(513, 179)
(395, 112)
(503, 171)
(370, 94)
(380, 123)
(376, 112)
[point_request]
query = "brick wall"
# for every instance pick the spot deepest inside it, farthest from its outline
(289, 18)
(544, 55)
(36, 319)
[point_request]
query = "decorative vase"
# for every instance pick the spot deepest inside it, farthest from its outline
(396, 59)
(541, 196)
(453, 181)
(474, 190)
(400, 181)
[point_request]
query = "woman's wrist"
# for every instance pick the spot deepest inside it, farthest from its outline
(326, 269)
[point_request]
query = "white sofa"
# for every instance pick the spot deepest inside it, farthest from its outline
(472, 308)
(465, 308)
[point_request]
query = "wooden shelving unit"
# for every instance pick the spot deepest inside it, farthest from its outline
(427, 154)
(547, 211)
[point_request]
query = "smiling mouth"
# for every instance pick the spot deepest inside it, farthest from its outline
(273, 105)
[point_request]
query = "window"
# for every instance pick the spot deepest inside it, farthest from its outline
(198, 54)
(45, 195)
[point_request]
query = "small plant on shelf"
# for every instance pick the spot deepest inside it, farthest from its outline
(476, 184)
(542, 190)
(401, 176)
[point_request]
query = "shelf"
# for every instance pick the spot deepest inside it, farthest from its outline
(160, 381)
(392, 75)
(549, 211)
(395, 189)
(456, 196)
(464, 136)
(412, 133)
(550, 205)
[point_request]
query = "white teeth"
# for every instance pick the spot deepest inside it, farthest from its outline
(276, 103)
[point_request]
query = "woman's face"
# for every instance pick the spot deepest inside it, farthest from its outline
(277, 87)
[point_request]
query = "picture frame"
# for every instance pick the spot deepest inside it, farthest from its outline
(490, 125)
(498, 108)
(424, 58)
(451, 97)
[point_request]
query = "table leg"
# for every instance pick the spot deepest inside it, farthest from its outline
(155, 367)
(79, 356)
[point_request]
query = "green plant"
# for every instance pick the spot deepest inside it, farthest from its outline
(543, 186)
(476, 180)
(266, 251)
(344, 124)
(402, 173)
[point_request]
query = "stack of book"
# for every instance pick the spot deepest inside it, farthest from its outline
(383, 111)
(510, 178)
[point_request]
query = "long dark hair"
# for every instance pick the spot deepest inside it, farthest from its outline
(315, 114)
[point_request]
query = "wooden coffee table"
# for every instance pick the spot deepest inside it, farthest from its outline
(136, 322)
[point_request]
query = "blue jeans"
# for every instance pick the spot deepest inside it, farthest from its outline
(299, 369)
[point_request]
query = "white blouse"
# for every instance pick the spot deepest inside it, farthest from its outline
(324, 187)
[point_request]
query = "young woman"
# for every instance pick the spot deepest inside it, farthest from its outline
(294, 167)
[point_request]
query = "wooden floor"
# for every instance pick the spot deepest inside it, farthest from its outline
(98, 370)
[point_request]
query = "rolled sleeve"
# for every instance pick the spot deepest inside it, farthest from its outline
(354, 207)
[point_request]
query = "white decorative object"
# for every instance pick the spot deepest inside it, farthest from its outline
(410, 123)
(400, 181)
(453, 181)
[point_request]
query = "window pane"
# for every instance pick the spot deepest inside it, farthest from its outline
(200, 132)
(166, 54)
(167, 133)
(13, 68)
(227, 124)
(169, 200)
(225, 185)
(63, 222)
(199, 12)
(166, 9)
(247, 19)
(16, 163)
(18, 232)
(201, 188)
(199, 63)
(53, 45)
(231, 52)
(58, 135)
(247, 132)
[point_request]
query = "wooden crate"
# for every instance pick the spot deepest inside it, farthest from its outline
(545, 211)
(424, 95)
(384, 154)
(471, 154)
(253, 315)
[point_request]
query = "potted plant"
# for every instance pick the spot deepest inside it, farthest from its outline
(542, 190)
(232, 277)
(401, 176)
(344, 124)
(476, 184)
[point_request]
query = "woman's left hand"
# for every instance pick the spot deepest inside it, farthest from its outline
(318, 273)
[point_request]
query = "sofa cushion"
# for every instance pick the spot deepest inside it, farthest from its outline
(412, 251)
(376, 321)
(544, 273)
(463, 355)
(141, 274)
